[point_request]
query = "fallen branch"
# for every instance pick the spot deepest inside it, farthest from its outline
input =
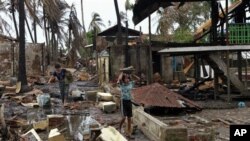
(4, 129)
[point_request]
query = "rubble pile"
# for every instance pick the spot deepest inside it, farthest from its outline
(39, 114)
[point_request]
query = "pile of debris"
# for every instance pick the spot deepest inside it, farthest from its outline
(156, 95)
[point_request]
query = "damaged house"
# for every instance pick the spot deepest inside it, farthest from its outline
(35, 54)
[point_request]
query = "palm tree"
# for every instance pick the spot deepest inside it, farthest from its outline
(124, 17)
(55, 19)
(22, 61)
(96, 22)
(119, 34)
(78, 34)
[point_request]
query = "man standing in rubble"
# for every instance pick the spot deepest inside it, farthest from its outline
(60, 75)
(126, 85)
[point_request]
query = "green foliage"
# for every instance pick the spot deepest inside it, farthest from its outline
(90, 36)
(182, 35)
(96, 22)
(128, 5)
(177, 24)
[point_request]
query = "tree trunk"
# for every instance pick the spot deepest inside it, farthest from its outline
(46, 37)
(34, 22)
(119, 34)
(14, 18)
(27, 23)
(83, 25)
(22, 62)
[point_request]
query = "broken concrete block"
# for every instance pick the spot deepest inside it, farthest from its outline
(155, 129)
(105, 96)
(202, 137)
(55, 135)
(77, 93)
(41, 125)
(44, 100)
(55, 120)
(111, 134)
(91, 95)
(176, 133)
(31, 136)
(108, 106)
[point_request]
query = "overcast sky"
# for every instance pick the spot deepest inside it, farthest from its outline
(106, 9)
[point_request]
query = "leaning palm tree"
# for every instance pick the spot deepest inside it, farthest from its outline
(54, 15)
(96, 22)
(76, 39)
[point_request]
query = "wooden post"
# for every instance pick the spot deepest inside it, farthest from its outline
(228, 63)
(216, 85)
(127, 57)
(246, 78)
(43, 70)
(13, 59)
(149, 52)
(239, 63)
(139, 57)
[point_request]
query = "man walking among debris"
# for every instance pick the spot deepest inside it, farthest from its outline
(126, 86)
(60, 74)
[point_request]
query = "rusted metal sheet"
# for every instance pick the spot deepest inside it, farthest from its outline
(159, 96)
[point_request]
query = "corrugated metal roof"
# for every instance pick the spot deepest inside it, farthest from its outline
(159, 96)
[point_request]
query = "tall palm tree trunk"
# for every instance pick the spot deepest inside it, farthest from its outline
(83, 25)
(119, 34)
(14, 18)
(22, 62)
(46, 37)
(34, 22)
(31, 36)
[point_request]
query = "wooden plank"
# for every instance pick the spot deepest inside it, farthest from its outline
(223, 67)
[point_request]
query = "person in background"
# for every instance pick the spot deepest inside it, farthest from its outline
(126, 85)
(60, 74)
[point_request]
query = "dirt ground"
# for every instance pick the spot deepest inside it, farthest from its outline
(216, 115)
(14, 113)
(215, 118)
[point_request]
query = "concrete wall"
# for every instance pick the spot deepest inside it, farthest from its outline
(116, 60)
(5, 60)
(167, 69)
(134, 59)
(33, 58)
(157, 130)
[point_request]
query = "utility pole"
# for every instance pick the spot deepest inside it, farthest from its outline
(83, 25)
(22, 61)
(150, 69)
(228, 63)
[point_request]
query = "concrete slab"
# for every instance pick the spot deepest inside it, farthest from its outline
(157, 130)
(104, 96)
